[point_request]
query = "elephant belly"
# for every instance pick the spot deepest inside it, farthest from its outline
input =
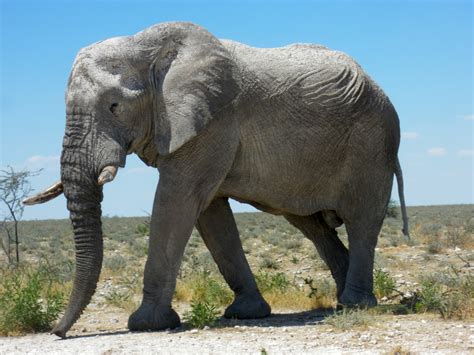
(286, 178)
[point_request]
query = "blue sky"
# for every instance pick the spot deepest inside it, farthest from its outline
(420, 52)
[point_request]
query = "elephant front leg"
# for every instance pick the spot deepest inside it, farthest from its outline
(217, 227)
(171, 225)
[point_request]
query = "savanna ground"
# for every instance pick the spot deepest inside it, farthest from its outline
(425, 288)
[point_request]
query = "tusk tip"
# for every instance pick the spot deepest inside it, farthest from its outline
(107, 174)
(46, 195)
(28, 201)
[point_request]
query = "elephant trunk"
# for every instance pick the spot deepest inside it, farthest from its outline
(84, 195)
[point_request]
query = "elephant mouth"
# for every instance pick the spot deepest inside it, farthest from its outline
(107, 174)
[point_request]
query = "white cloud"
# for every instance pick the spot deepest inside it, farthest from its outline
(468, 117)
(466, 153)
(437, 152)
(37, 162)
(409, 135)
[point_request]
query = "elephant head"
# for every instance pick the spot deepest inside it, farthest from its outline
(149, 94)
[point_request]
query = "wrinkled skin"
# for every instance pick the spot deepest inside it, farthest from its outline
(299, 131)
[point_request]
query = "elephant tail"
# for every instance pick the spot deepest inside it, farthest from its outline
(401, 195)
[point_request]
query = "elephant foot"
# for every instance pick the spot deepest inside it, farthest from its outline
(150, 316)
(248, 306)
(352, 298)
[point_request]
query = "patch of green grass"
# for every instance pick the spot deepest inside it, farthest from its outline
(30, 300)
(201, 314)
(384, 284)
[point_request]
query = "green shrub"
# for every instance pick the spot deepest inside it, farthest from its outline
(143, 229)
(201, 314)
(268, 282)
(431, 297)
(449, 294)
(204, 287)
(29, 300)
(384, 284)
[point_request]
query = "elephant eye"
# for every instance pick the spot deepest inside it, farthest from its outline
(113, 108)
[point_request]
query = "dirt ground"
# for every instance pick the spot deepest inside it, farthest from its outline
(102, 327)
(104, 332)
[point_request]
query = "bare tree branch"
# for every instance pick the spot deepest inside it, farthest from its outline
(14, 187)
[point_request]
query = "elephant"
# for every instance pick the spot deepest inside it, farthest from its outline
(299, 131)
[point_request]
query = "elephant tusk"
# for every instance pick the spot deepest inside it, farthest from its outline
(51, 192)
(107, 174)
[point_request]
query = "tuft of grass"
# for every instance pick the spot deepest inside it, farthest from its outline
(30, 300)
(201, 314)
(269, 263)
(281, 293)
(122, 299)
(203, 287)
(350, 318)
(384, 284)
(434, 246)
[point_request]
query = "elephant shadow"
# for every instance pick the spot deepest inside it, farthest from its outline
(279, 319)
(275, 320)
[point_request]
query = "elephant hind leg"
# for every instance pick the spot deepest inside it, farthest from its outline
(327, 243)
(366, 201)
(358, 290)
(217, 227)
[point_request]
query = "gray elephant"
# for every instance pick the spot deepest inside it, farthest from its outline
(299, 131)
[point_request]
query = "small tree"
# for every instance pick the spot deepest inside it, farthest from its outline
(14, 187)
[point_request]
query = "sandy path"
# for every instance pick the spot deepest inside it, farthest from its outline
(300, 333)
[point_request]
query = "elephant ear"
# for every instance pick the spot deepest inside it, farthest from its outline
(193, 78)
